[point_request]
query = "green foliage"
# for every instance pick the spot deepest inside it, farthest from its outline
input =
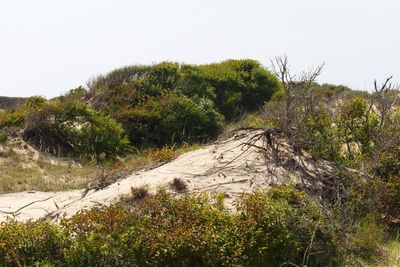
(76, 94)
(296, 228)
(270, 229)
(322, 137)
(34, 102)
(31, 243)
(358, 124)
(236, 86)
(12, 118)
(170, 119)
(168, 102)
(16, 117)
(130, 86)
(366, 239)
(391, 200)
(73, 127)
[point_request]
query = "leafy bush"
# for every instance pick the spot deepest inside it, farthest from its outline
(236, 86)
(170, 119)
(167, 102)
(287, 221)
(31, 243)
(270, 229)
(357, 124)
(12, 118)
(130, 86)
(73, 127)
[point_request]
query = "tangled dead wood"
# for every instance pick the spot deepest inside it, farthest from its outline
(326, 180)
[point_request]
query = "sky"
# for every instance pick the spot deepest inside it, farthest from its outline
(50, 46)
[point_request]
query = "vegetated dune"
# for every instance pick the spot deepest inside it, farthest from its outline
(240, 161)
(10, 102)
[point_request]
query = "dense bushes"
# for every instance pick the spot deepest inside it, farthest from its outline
(236, 86)
(352, 129)
(31, 243)
(169, 119)
(270, 229)
(158, 105)
(12, 118)
(169, 102)
(74, 128)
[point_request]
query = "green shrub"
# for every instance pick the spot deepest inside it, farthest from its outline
(284, 225)
(269, 230)
(171, 119)
(391, 200)
(31, 243)
(160, 231)
(73, 127)
(320, 136)
(236, 86)
(272, 228)
(12, 118)
(130, 86)
(358, 124)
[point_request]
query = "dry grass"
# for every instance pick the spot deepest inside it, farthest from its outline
(255, 119)
(19, 173)
(27, 172)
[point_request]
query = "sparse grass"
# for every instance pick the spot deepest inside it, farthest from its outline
(149, 158)
(255, 119)
(152, 157)
(22, 172)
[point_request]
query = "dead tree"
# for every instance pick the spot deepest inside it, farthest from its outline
(298, 101)
(384, 104)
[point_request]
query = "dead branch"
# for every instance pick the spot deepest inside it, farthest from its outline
(15, 213)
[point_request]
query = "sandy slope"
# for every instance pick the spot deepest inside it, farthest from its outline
(226, 166)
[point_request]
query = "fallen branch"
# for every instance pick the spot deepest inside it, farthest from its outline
(14, 213)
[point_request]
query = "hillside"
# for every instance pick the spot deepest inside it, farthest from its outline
(229, 166)
(226, 164)
(10, 102)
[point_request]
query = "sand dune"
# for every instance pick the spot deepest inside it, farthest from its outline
(230, 165)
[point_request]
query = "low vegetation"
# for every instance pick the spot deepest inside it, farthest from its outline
(279, 227)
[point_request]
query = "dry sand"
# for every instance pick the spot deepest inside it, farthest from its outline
(226, 166)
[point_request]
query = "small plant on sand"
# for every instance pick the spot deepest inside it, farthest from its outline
(178, 185)
(139, 193)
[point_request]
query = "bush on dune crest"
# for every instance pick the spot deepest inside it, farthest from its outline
(168, 102)
(171, 119)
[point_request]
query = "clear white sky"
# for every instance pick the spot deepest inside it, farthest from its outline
(50, 46)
